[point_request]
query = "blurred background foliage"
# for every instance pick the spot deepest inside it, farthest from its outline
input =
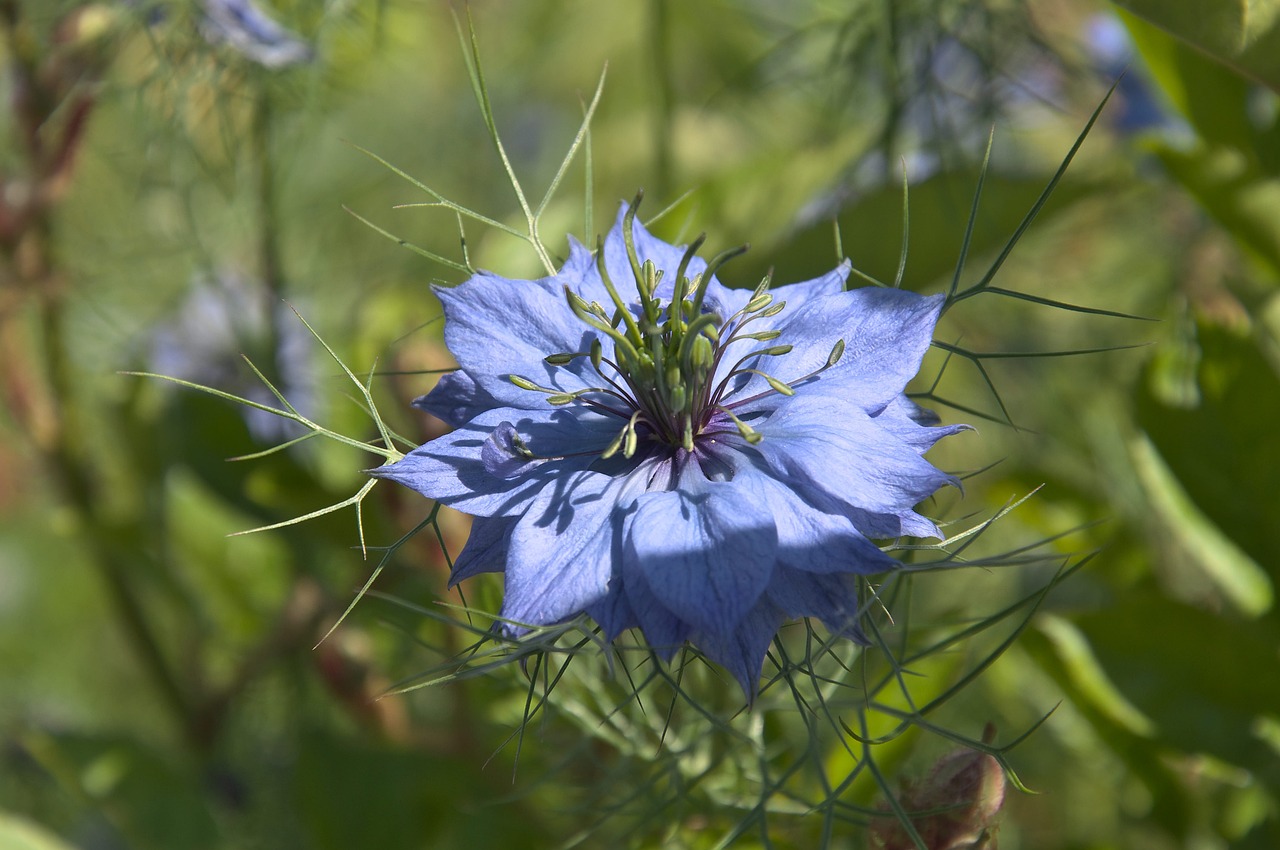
(174, 173)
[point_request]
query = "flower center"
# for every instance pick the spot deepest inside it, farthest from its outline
(662, 378)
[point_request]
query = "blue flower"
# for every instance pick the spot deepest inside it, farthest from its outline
(243, 26)
(703, 472)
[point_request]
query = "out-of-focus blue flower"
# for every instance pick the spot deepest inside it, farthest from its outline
(225, 317)
(703, 472)
(243, 26)
(1137, 108)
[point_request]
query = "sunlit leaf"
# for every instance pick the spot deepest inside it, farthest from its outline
(1242, 34)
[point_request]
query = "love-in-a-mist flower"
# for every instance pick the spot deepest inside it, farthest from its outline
(638, 442)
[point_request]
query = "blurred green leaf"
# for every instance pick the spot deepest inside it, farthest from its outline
(1203, 679)
(1067, 655)
(1233, 192)
(1210, 96)
(19, 834)
(871, 228)
(1233, 573)
(353, 794)
(154, 802)
(1242, 34)
(1224, 451)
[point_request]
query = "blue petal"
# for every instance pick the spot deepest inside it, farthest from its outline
(915, 425)
(742, 651)
(831, 598)
(828, 449)
(452, 468)
(809, 538)
(886, 334)
(613, 612)
(501, 455)
(664, 632)
(249, 30)
(831, 283)
(486, 549)
(496, 328)
(705, 550)
(563, 549)
(456, 399)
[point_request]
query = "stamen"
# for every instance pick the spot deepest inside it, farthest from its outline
(666, 354)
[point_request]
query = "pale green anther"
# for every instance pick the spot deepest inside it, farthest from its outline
(561, 399)
(705, 325)
(775, 350)
(763, 285)
(763, 336)
(524, 383)
(673, 374)
(521, 449)
(560, 359)
(758, 303)
(675, 390)
(774, 310)
(629, 437)
(597, 354)
(702, 353)
(641, 371)
(751, 435)
(614, 444)
(622, 348)
(677, 396)
(779, 386)
(837, 351)
(657, 274)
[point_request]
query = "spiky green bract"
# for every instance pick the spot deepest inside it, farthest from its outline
(638, 442)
